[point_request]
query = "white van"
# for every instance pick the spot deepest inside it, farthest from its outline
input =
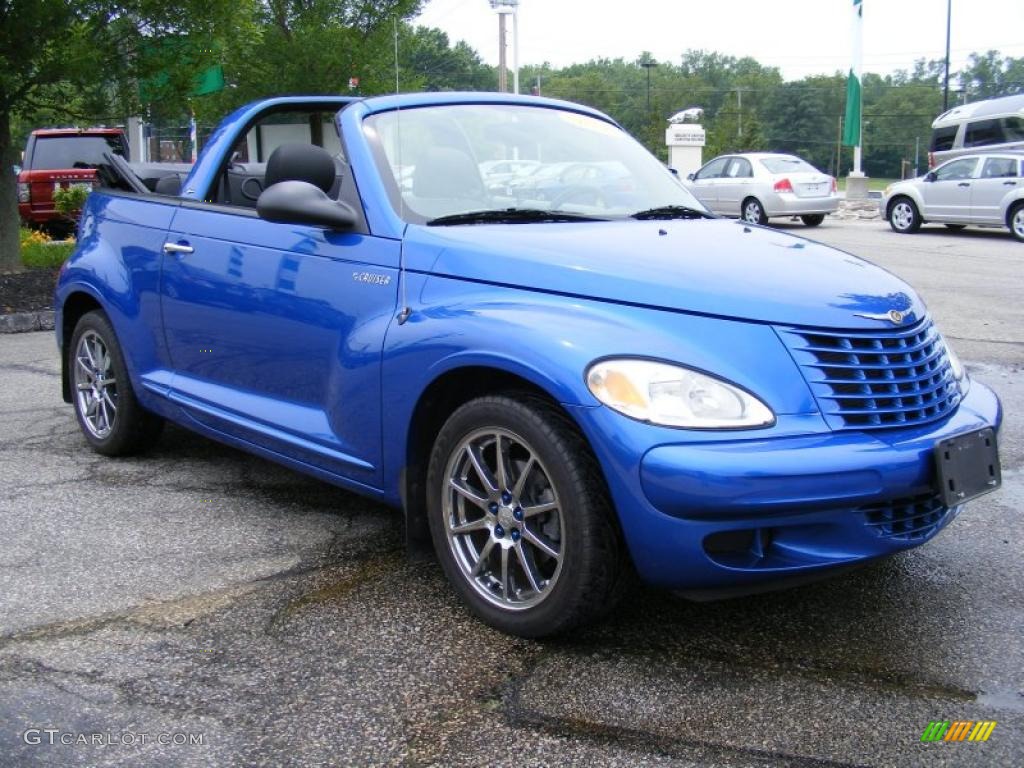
(993, 125)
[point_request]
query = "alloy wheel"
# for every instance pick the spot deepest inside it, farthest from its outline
(503, 519)
(752, 212)
(95, 385)
(1017, 224)
(902, 215)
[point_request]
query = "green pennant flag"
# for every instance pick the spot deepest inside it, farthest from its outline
(209, 81)
(851, 127)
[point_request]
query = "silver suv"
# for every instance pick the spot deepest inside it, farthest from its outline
(984, 189)
(993, 125)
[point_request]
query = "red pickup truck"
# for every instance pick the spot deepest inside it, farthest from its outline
(60, 157)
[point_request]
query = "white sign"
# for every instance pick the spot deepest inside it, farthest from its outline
(683, 135)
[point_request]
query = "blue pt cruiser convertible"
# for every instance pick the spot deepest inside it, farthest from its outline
(558, 384)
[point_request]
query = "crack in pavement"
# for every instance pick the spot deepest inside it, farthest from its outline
(518, 715)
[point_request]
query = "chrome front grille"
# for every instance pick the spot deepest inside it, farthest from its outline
(876, 379)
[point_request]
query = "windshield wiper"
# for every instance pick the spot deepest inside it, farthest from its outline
(672, 212)
(510, 216)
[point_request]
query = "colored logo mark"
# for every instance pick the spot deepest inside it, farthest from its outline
(958, 730)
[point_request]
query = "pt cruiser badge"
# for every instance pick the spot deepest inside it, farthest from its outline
(894, 316)
(371, 277)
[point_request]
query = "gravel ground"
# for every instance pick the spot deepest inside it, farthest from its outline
(201, 591)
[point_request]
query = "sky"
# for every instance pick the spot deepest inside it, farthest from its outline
(800, 37)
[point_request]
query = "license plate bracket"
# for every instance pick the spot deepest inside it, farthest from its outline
(967, 466)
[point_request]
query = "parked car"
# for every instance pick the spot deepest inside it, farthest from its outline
(993, 125)
(757, 186)
(498, 173)
(61, 157)
(985, 189)
(605, 182)
(554, 397)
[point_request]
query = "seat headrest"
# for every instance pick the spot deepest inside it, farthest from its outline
(301, 162)
(444, 172)
(168, 185)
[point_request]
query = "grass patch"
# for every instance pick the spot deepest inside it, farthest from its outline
(38, 250)
(874, 185)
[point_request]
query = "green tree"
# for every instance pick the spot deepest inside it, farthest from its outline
(66, 59)
(801, 118)
(989, 75)
(314, 47)
(428, 60)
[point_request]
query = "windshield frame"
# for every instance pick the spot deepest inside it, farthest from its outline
(405, 213)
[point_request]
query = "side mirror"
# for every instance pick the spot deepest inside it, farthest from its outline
(691, 176)
(299, 202)
(674, 171)
(930, 176)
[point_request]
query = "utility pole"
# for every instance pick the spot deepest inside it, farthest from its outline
(945, 86)
(504, 8)
(502, 66)
(648, 63)
(515, 51)
(739, 107)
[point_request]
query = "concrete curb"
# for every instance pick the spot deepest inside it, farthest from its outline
(24, 322)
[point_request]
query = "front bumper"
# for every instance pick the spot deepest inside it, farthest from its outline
(720, 514)
(35, 214)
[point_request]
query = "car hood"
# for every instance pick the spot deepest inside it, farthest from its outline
(705, 266)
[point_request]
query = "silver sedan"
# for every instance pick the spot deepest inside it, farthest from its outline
(758, 185)
(984, 189)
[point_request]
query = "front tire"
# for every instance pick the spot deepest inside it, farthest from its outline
(521, 519)
(904, 216)
(812, 219)
(1016, 221)
(108, 413)
(753, 212)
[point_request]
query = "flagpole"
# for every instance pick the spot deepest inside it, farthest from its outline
(856, 181)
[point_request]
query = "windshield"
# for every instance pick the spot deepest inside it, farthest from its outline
(787, 165)
(441, 161)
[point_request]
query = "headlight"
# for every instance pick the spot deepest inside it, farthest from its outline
(674, 396)
(954, 362)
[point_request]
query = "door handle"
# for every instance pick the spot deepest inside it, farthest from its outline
(1009, 183)
(964, 184)
(178, 248)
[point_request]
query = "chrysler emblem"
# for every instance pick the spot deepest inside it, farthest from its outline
(894, 316)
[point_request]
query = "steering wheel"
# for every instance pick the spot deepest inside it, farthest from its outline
(580, 194)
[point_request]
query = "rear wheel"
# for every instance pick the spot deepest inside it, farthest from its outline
(520, 517)
(904, 216)
(813, 219)
(1016, 221)
(753, 212)
(110, 417)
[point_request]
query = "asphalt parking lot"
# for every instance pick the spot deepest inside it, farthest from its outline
(204, 594)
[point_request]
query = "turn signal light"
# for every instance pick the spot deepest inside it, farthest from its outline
(835, 187)
(783, 186)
